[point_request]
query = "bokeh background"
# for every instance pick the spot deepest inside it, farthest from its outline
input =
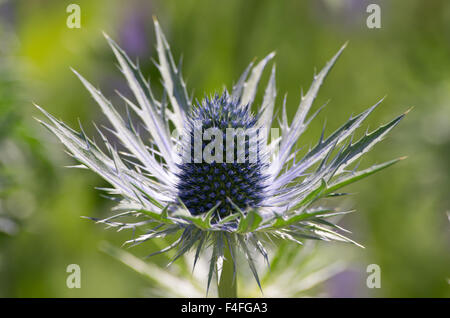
(402, 212)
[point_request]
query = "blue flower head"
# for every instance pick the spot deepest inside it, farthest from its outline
(226, 180)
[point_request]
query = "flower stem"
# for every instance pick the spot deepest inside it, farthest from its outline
(227, 287)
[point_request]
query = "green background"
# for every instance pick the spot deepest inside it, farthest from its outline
(401, 217)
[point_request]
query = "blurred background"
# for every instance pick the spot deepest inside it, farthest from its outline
(402, 212)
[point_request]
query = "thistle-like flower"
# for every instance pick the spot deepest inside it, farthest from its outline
(205, 190)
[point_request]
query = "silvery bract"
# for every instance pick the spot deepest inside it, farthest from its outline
(221, 205)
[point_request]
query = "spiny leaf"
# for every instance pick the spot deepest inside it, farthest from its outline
(360, 175)
(356, 150)
(295, 218)
(189, 238)
(249, 221)
(298, 124)
(250, 260)
(317, 192)
(212, 265)
(238, 88)
(259, 246)
(172, 79)
(251, 85)
(268, 105)
(149, 107)
(200, 243)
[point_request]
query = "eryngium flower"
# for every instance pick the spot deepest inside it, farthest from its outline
(219, 204)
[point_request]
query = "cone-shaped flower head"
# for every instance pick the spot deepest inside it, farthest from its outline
(233, 171)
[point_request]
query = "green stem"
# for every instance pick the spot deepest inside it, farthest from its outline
(227, 287)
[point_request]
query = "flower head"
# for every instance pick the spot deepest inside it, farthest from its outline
(224, 179)
(217, 185)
